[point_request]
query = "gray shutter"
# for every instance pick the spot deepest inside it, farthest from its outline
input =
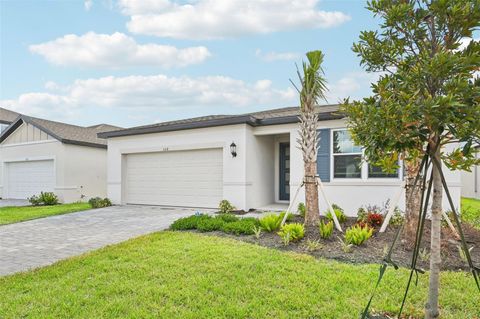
(323, 157)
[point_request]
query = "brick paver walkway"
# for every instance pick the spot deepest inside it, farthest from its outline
(44, 241)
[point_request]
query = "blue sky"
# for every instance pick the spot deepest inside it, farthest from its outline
(133, 62)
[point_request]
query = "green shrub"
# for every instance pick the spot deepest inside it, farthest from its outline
(338, 212)
(301, 209)
(210, 224)
(362, 215)
(45, 198)
(289, 216)
(244, 226)
(188, 223)
(326, 230)
(397, 218)
(97, 202)
(227, 218)
(225, 207)
(271, 222)
(292, 232)
(357, 234)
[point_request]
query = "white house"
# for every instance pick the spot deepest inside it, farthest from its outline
(471, 181)
(41, 155)
(249, 159)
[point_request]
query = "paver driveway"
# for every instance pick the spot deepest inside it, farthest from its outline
(44, 241)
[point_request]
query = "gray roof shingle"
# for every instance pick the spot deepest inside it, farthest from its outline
(269, 117)
(7, 116)
(66, 133)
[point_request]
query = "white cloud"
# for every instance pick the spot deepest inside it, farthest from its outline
(464, 42)
(214, 19)
(88, 4)
(276, 56)
(115, 51)
(355, 85)
(154, 93)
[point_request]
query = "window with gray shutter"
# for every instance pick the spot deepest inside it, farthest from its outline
(323, 157)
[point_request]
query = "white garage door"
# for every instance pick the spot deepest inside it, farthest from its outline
(25, 179)
(191, 178)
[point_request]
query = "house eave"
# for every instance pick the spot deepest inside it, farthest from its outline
(248, 120)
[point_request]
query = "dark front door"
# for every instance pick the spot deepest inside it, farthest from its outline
(284, 179)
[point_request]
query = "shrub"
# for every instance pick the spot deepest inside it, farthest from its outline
(361, 215)
(338, 212)
(374, 219)
(210, 224)
(97, 202)
(245, 226)
(227, 218)
(292, 232)
(346, 247)
(312, 245)
(35, 200)
(45, 198)
(301, 209)
(225, 207)
(257, 231)
(289, 216)
(397, 218)
(270, 222)
(326, 230)
(357, 234)
(187, 223)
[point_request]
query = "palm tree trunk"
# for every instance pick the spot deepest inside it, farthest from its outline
(413, 197)
(431, 310)
(312, 216)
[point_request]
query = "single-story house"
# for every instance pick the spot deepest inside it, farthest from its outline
(471, 180)
(251, 159)
(40, 155)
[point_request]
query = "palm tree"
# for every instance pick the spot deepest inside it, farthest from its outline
(313, 88)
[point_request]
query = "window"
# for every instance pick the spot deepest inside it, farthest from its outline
(3, 127)
(377, 172)
(347, 157)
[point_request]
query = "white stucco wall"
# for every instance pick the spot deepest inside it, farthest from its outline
(235, 180)
(85, 171)
(75, 166)
(469, 179)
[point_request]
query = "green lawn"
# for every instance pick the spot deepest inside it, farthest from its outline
(187, 275)
(471, 211)
(9, 215)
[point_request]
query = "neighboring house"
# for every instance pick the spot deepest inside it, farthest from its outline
(41, 155)
(471, 181)
(6, 118)
(251, 160)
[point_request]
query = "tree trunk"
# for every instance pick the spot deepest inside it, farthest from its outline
(431, 310)
(312, 214)
(413, 197)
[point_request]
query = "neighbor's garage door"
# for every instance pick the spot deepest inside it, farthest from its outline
(177, 178)
(25, 179)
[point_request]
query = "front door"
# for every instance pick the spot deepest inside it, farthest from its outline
(284, 174)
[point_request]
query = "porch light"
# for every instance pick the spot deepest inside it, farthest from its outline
(233, 149)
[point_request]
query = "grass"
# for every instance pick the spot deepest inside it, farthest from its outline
(10, 215)
(188, 275)
(471, 211)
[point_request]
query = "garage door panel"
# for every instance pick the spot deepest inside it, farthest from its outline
(179, 178)
(25, 179)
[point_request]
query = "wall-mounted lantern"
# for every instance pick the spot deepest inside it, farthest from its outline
(233, 149)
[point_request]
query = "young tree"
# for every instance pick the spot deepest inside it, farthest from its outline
(312, 88)
(425, 98)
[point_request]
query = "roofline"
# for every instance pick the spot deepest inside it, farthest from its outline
(25, 119)
(234, 120)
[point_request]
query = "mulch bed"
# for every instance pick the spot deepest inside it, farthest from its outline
(375, 248)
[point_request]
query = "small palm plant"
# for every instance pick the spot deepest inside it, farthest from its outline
(313, 88)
